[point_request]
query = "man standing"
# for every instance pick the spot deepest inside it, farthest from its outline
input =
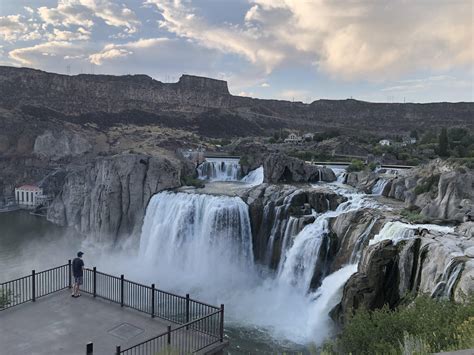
(77, 272)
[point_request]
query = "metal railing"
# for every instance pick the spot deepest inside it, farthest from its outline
(36, 285)
(200, 324)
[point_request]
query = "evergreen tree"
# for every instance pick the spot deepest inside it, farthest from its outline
(443, 143)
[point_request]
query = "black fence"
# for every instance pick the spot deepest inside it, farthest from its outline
(29, 288)
(199, 324)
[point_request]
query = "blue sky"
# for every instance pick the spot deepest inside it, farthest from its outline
(302, 50)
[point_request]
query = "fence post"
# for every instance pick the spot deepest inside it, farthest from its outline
(187, 309)
(222, 324)
(152, 300)
(118, 350)
(94, 281)
(33, 286)
(90, 348)
(169, 334)
(121, 290)
(69, 268)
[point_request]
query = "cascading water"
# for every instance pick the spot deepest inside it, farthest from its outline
(191, 234)
(218, 169)
(254, 178)
(379, 186)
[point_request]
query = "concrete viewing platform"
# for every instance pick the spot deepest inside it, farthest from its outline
(61, 324)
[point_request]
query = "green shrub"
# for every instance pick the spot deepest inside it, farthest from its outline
(427, 184)
(355, 165)
(412, 216)
(426, 325)
(5, 298)
(191, 181)
(372, 166)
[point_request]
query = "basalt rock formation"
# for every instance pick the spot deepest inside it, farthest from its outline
(280, 168)
(107, 198)
(204, 104)
(279, 212)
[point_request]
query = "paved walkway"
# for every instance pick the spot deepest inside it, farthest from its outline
(60, 324)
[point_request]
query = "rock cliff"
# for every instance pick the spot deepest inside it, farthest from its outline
(202, 103)
(107, 198)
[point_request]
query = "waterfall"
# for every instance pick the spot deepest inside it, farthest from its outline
(255, 177)
(194, 233)
(379, 186)
(398, 231)
(218, 169)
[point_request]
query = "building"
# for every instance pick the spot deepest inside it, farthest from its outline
(308, 136)
(293, 138)
(385, 142)
(27, 195)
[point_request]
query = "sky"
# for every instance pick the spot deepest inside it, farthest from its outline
(301, 50)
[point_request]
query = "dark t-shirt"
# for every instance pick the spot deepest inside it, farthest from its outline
(77, 265)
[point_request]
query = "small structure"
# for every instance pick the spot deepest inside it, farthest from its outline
(385, 142)
(28, 195)
(308, 136)
(293, 138)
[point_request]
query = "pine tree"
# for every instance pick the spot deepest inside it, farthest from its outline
(443, 143)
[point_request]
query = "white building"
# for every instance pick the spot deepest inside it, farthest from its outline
(293, 138)
(27, 195)
(385, 142)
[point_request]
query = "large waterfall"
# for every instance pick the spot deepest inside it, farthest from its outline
(196, 235)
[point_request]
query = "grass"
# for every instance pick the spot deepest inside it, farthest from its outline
(423, 326)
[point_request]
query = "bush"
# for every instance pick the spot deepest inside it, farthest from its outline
(355, 165)
(191, 181)
(426, 324)
(372, 166)
(427, 185)
(5, 298)
(412, 216)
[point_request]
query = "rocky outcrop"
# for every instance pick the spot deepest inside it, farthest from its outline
(60, 145)
(439, 190)
(107, 198)
(280, 168)
(279, 212)
(431, 262)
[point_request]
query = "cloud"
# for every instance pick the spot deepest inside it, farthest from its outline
(265, 85)
(83, 13)
(16, 27)
(108, 53)
(81, 34)
(350, 40)
(34, 54)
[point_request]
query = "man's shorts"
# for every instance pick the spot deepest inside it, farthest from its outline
(78, 280)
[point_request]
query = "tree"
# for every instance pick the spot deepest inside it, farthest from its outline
(414, 134)
(443, 143)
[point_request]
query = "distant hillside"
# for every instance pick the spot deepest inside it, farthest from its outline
(205, 106)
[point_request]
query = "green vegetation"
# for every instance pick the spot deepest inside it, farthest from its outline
(191, 181)
(355, 165)
(427, 185)
(443, 143)
(413, 216)
(372, 166)
(422, 327)
(5, 298)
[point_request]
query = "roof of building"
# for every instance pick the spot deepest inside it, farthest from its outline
(29, 188)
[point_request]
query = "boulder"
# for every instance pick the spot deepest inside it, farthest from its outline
(280, 168)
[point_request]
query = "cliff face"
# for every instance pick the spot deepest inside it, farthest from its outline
(107, 198)
(209, 101)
